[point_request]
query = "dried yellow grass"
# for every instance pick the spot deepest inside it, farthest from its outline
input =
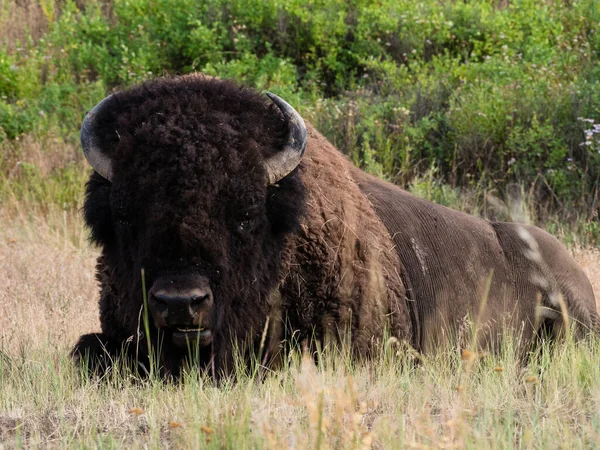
(21, 20)
(589, 260)
(49, 294)
(49, 297)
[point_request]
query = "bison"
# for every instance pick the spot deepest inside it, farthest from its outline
(247, 229)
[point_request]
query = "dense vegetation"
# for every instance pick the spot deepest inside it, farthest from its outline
(476, 95)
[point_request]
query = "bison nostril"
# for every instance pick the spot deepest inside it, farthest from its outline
(162, 299)
(158, 302)
(199, 300)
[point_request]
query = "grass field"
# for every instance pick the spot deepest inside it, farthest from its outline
(48, 298)
(488, 106)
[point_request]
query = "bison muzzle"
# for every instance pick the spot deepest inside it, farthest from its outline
(183, 306)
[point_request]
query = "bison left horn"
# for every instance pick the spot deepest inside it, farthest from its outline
(89, 142)
(283, 162)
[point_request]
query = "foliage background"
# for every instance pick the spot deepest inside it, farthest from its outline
(446, 98)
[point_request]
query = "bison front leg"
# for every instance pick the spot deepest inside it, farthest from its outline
(96, 354)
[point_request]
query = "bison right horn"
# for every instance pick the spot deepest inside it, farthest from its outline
(89, 142)
(283, 162)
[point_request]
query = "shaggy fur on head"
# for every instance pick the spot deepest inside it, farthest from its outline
(188, 196)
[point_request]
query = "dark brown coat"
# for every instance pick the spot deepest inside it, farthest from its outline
(330, 250)
(444, 259)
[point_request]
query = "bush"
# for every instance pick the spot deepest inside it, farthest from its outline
(487, 95)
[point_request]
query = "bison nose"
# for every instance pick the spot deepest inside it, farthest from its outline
(181, 308)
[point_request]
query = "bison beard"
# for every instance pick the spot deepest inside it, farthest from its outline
(199, 182)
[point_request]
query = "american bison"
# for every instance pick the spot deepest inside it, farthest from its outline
(251, 228)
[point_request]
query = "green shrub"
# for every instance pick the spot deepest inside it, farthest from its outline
(487, 95)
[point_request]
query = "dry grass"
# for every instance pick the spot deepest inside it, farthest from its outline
(24, 21)
(47, 154)
(49, 294)
(49, 298)
(21, 20)
(589, 261)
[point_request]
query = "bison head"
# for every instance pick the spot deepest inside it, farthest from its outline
(196, 184)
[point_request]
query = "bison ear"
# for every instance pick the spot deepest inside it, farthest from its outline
(283, 162)
(90, 140)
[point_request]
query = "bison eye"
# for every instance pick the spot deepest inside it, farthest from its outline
(120, 217)
(246, 220)
(245, 225)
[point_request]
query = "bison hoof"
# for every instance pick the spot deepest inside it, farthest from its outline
(95, 354)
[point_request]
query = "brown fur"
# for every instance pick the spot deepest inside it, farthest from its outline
(448, 257)
(187, 154)
(327, 252)
(343, 271)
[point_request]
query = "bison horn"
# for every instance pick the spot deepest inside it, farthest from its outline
(283, 162)
(89, 142)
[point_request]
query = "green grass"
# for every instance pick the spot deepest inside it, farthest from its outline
(457, 102)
